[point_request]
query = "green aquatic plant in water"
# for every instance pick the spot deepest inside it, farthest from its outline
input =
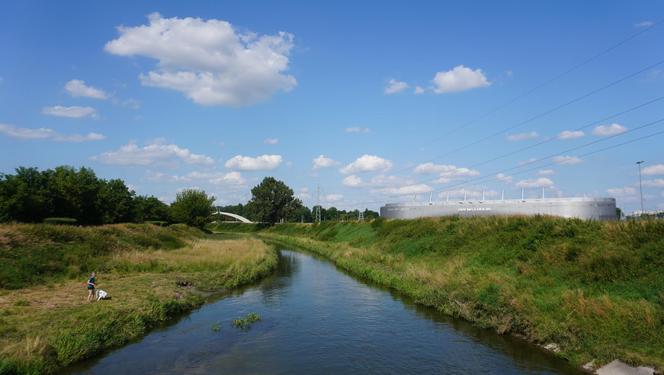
(216, 327)
(247, 321)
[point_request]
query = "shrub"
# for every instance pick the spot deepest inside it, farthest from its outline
(60, 220)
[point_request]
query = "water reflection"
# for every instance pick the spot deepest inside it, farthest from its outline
(317, 319)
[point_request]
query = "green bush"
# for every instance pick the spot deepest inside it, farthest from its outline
(60, 220)
(160, 223)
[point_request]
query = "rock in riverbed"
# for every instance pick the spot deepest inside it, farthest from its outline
(618, 367)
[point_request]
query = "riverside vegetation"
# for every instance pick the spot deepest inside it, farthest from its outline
(152, 274)
(591, 290)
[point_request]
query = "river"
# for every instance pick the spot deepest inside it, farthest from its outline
(318, 319)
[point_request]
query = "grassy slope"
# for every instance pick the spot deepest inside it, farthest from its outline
(49, 324)
(596, 289)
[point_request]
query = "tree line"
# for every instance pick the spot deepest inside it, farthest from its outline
(304, 214)
(273, 201)
(79, 196)
(30, 195)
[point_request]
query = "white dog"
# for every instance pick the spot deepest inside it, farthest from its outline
(100, 294)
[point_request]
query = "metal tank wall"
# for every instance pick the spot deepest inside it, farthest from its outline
(582, 208)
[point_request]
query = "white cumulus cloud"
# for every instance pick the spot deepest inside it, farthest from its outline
(535, 183)
(621, 192)
(545, 172)
(406, 190)
(71, 112)
(571, 134)
(394, 86)
(323, 161)
(446, 172)
(230, 178)
(213, 177)
(78, 88)
(390, 180)
(47, 134)
(460, 78)
(646, 23)
(271, 141)
(357, 129)
(367, 163)
(352, 181)
(567, 160)
(658, 182)
(331, 198)
(208, 60)
(258, 163)
(522, 136)
(418, 90)
(504, 178)
(150, 154)
(608, 130)
(652, 170)
(304, 194)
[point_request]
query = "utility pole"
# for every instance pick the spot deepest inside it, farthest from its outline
(317, 210)
(640, 185)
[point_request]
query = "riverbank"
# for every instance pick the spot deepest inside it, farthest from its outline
(152, 274)
(586, 290)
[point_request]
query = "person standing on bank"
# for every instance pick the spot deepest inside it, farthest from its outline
(92, 283)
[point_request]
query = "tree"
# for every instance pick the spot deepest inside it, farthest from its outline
(31, 195)
(192, 207)
(370, 215)
(150, 209)
(271, 201)
(330, 214)
(116, 202)
(25, 196)
(75, 194)
(301, 213)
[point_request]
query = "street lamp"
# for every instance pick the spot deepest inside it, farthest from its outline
(640, 184)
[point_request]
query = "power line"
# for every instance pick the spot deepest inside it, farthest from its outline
(492, 175)
(614, 115)
(568, 150)
(547, 82)
(591, 152)
(547, 112)
(551, 110)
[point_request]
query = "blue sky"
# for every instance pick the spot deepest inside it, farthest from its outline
(360, 99)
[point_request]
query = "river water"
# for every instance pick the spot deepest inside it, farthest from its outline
(317, 319)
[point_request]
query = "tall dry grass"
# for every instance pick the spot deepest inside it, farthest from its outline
(594, 288)
(49, 325)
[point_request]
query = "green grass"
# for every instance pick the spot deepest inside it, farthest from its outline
(245, 322)
(153, 275)
(594, 288)
(32, 254)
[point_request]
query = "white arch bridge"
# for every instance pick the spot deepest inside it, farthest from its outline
(234, 216)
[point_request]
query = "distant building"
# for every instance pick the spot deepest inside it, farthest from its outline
(581, 208)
